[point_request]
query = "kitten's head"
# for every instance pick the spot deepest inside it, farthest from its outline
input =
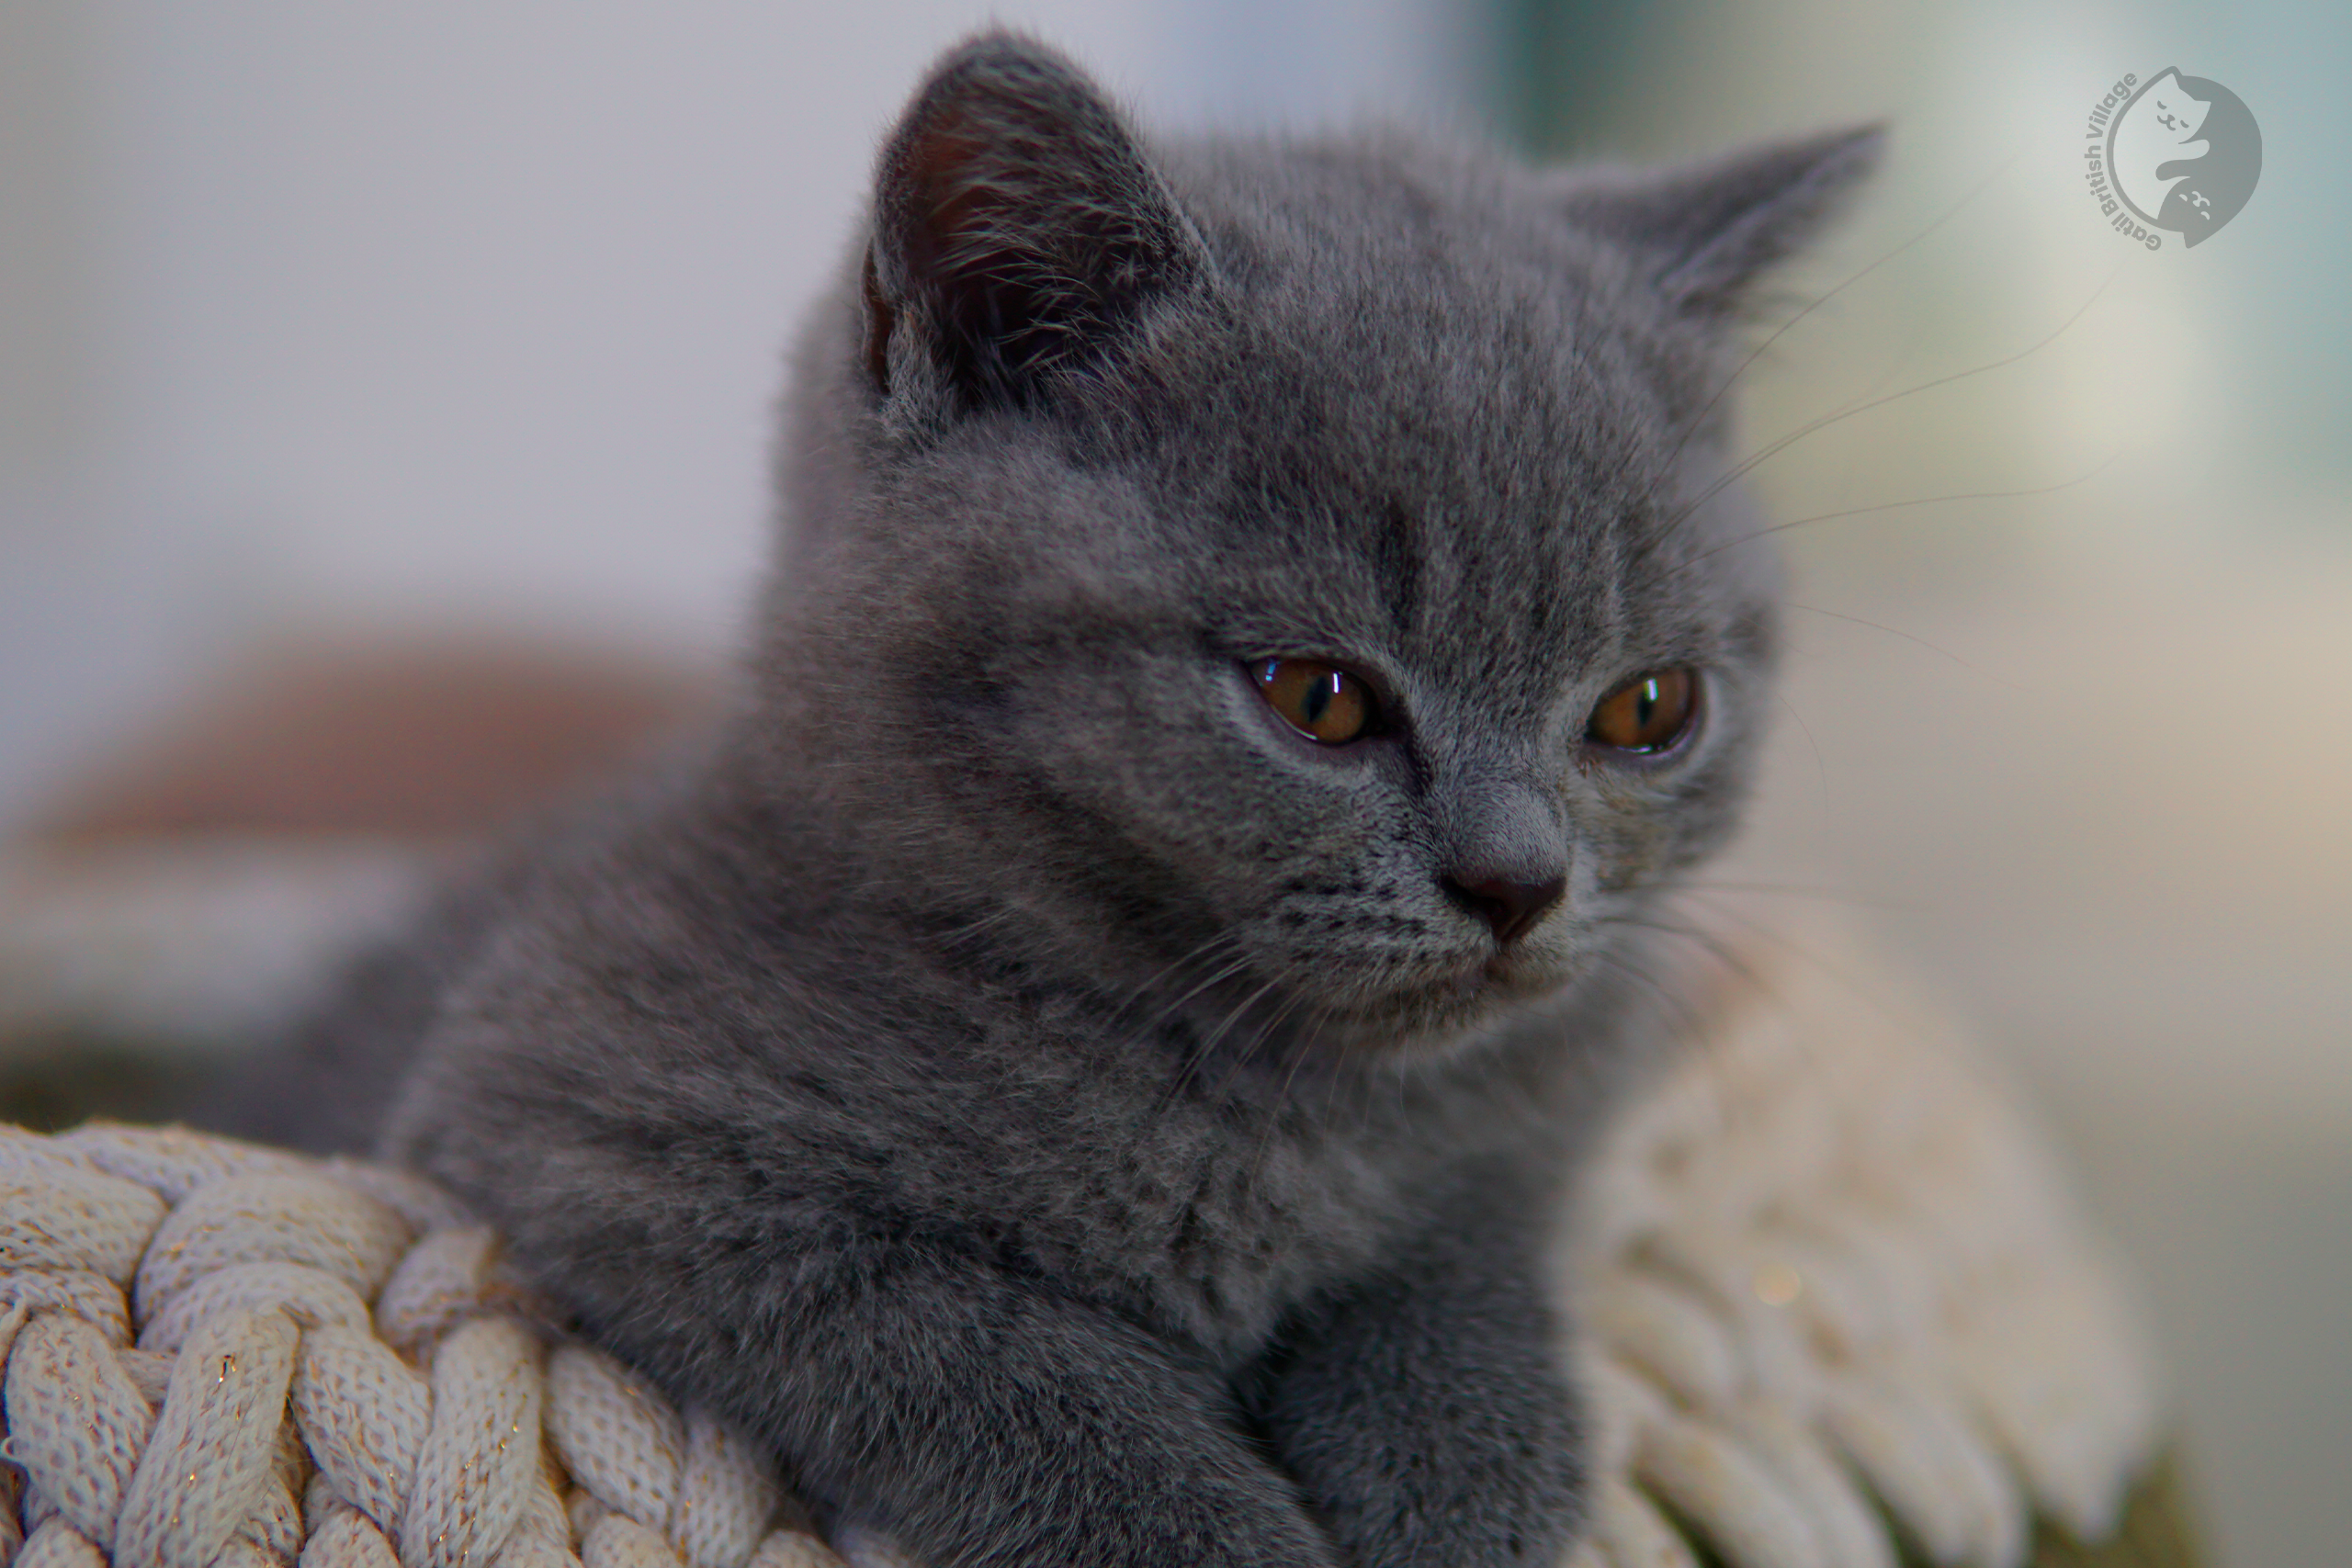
(1286, 568)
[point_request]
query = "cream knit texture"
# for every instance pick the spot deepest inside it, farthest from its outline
(1828, 1285)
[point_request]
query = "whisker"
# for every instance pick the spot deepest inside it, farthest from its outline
(1895, 366)
(1902, 358)
(1695, 1034)
(1266, 1134)
(1252, 999)
(1774, 448)
(1706, 941)
(1338, 1078)
(1698, 419)
(1821, 767)
(1223, 950)
(1241, 1057)
(1766, 533)
(1788, 944)
(1199, 1053)
(971, 931)
(1779, 890)
(1198, 953)
(1197, 1058)
(1684, 1020)
(1906, 637)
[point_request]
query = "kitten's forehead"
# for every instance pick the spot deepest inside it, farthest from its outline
(1424, 400)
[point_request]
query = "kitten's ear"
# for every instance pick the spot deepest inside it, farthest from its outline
(1707, 232)
(1018, 229)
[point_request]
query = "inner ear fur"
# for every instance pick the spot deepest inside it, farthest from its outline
(1018, 226)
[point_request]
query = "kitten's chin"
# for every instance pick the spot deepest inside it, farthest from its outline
(1447, 1013)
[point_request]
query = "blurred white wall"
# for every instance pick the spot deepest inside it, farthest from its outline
(370, 316)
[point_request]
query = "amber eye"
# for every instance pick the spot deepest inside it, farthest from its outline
(1647, 714)
(1319, 701)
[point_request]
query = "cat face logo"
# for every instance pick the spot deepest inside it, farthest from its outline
(2175, 153)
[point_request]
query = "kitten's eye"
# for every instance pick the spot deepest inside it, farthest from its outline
(1320, 701)
(1647, 714)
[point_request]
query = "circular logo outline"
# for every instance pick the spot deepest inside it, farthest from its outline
(2248, 139)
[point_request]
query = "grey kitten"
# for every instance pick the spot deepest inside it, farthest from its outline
(1084, 1062)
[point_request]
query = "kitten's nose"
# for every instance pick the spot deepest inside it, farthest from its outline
(1509, 908)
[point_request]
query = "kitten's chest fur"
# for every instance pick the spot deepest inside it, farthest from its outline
(1205, 1197)
(1210, 1208)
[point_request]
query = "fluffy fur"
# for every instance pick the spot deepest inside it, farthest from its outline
(1074, 1117)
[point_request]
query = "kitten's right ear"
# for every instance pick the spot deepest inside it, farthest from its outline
(1705, 233)
(1018, 228)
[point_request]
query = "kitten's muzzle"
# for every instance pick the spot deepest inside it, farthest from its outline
(1506, 854)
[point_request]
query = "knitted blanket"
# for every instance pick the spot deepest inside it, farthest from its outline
(1836, 1310)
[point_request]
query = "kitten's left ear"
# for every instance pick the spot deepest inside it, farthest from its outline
(1706, 232)
(1018, 227)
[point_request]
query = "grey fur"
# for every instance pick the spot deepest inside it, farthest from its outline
(1060, 1108)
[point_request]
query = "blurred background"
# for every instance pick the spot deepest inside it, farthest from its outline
(384, 403)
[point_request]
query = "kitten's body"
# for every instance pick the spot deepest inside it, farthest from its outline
(1077, 1119)
(928, 1083)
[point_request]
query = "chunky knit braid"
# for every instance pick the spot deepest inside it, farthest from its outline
(1834, 1302)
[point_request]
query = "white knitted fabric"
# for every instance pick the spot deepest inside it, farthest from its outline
(1823, 1263)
